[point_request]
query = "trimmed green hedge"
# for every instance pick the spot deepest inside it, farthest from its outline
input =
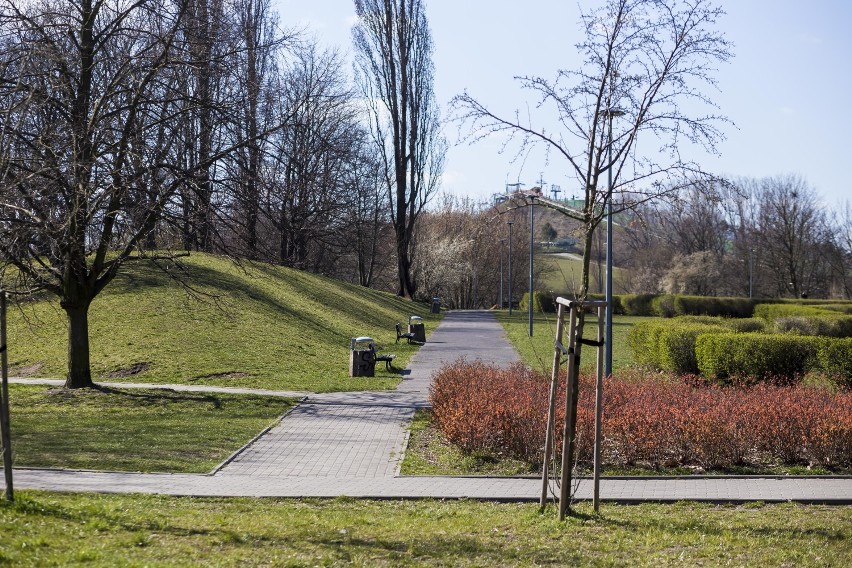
(724, 348)
(745, 325)
(771, 312)
(671, 305)
(643, 339)
(842, 308)
(740, 325)
(714, 306)
(835, 359)
(759, 355)
(824, 326)
(540, 301)
(638, 304)
(546, 301)
(668, 345)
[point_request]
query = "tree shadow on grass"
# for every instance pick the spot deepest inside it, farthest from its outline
(153, 397)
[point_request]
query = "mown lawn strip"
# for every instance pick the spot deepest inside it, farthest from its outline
(134, 429)
(42, 529)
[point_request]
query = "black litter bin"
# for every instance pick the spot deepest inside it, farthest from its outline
(416, 327)
(362, 358)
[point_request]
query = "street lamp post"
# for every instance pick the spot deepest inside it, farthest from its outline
(510, 223)
(502, 242)
(750, 272)
(532, 244)
(610, 113)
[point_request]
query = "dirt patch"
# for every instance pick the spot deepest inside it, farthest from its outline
(228, 375)
(130, 371)
(26, 370)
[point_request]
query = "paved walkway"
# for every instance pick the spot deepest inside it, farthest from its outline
(352, 443)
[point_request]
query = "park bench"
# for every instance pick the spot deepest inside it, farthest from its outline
(399, 335)
(388, 359)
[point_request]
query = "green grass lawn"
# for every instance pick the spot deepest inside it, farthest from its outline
(562, 274)
(254, 325)
(42, 529)
(134, 429)
(537, 351)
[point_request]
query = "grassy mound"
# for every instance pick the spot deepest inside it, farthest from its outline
(253, 325)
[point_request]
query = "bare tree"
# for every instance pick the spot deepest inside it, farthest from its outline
(312, 151)
(843, 256)
(394, 54)
(254, 81)
(204, 29)
(647, 73)
(368, 214)
(81, 96)
(793, 236)
(645, 63)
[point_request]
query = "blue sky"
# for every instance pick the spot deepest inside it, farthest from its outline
(787, 88)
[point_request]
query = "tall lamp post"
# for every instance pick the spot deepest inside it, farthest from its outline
(610, 114)
(532, 244)
(750, 273)
(502, 242)
(510, 223)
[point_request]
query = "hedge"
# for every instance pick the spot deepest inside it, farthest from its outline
(771, 312)
(835, 359)
(546, 301)
(714, 306)
(670, 305)
(723, 356)
(539, 301)
(745, 325)
(842, 308)
(740, 325)
(668, 345)
(825, 326)
(638, 304)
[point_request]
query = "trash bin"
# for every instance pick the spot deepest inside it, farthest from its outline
(362, 358)
(436, 304)
(416, 326)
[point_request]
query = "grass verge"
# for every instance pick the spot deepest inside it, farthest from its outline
(537, 351)
(134, 429)
(42, 529)
(253, 325)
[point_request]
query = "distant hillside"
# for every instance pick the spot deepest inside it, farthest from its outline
(252, 325)
(563, 273)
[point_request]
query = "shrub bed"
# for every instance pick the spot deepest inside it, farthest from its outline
(546, 301)
(835, 359)
(649, 421)
(842, 308)
(757, 355)
(713, 306)
(671, 305)
(827, 326)
(668, 345)
(771, 312)
(638, 304)
(742, 325)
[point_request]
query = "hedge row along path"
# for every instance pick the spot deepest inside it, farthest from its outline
(351, 444)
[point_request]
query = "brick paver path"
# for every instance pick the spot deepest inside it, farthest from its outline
(352, 443)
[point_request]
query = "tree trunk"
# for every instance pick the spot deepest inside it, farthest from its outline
(79, 371)
(406, 285)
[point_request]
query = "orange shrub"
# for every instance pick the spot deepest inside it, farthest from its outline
(658, 421)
